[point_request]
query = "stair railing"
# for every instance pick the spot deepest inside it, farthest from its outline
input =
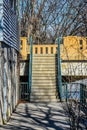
(59, 70)
(30, 66)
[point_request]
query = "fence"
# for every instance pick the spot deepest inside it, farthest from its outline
(74, 91)
(75, 95)
(24, 91)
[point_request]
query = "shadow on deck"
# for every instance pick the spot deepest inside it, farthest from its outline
(38, 116)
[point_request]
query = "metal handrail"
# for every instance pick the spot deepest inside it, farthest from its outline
(30, 65)
(59, 70)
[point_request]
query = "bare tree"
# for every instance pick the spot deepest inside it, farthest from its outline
(48, 19)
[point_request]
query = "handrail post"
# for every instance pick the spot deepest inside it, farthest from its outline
(66, 93)
(30, 66)
(59, 70)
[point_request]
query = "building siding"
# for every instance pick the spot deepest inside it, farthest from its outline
(9, 60)
(9, 33)
(1, 20)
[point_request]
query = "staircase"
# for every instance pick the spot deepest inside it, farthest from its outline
(44, 78)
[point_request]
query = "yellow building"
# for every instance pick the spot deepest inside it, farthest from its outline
(23, 48)
(72, 48)
(73, 51)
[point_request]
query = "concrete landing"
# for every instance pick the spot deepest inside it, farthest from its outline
(38, 116)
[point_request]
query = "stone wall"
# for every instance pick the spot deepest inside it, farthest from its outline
(9, 81)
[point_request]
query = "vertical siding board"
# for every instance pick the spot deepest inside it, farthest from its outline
(1, 20)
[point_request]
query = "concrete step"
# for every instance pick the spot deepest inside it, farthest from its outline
(44, 60)
(50, 81)
(43, 93)
(42, 68)
(44, 100)
(43, 83)
(44, 78)
(50, 86)
(43, 74)
(44, 65)
(43, 71)
(40, 97)
(42, 90)
(44, 55)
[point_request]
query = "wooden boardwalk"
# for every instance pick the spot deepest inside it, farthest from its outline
(38, 116)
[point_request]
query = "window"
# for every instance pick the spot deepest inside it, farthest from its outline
(56, 49)
(81, 47)
(86, 43)
(36, 50)
(81, 42)
(51, 50)
(46, 50)
(21, 45)
(41, 50)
